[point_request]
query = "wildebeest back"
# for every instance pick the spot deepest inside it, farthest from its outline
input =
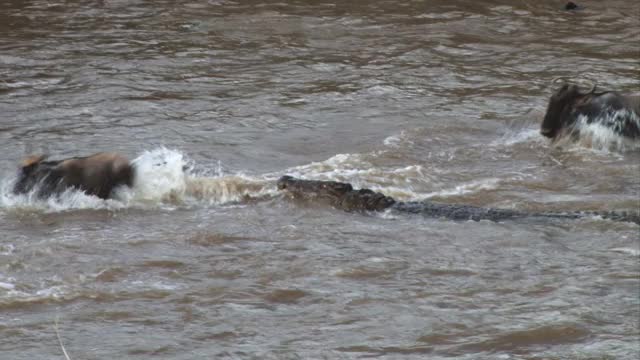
(97, 175)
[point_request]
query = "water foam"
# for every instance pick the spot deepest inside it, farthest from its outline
(7, 283)
(167, 176)
(400, 183)
(517, 137)
(160, 176)
(398, 140)
(356, 170)
(603, 134)
(7, 286)
(625, 250)
(467, 188)
(228, 189)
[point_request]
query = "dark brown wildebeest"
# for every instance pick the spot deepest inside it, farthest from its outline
(97, 175)
(569, 110)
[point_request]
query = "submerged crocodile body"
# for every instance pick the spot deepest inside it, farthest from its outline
(343, 196)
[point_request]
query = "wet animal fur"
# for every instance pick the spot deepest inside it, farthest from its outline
(97, 175)
(569, 110)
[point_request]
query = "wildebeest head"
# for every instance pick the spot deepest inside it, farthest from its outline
(559, 110)
(96, 175)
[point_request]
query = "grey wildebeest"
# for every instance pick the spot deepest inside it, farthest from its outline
(570, 111)
(97, 175)
(343, 196)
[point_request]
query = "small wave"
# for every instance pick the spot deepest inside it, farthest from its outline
(405, 184)
(17, 298)
(6, 286)
(467, 188)
(624, 250)
(380, 90)
(7, 249)
(517, 137)
(398, 141)
(333, 166)
(34, 83)
(356, 170)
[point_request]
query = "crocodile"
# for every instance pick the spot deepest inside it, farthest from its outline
(344, 197)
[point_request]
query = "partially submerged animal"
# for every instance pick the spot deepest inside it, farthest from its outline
(570, 111)
(98, 175)
(343, 196)
(572, 6)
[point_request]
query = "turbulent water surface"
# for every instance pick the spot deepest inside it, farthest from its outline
(214, 100)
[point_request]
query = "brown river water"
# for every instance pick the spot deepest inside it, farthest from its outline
(204, 259)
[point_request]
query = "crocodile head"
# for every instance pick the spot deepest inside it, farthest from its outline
(337, 194)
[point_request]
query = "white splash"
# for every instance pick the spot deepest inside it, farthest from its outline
(160, 176)
(517, 137)
(398, 141)
(7, 283)
(405, 183)
(7, 286)
(467, 188)
(605, 134)
(356, 170)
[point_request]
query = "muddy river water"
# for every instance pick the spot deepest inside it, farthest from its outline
(214, 100)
